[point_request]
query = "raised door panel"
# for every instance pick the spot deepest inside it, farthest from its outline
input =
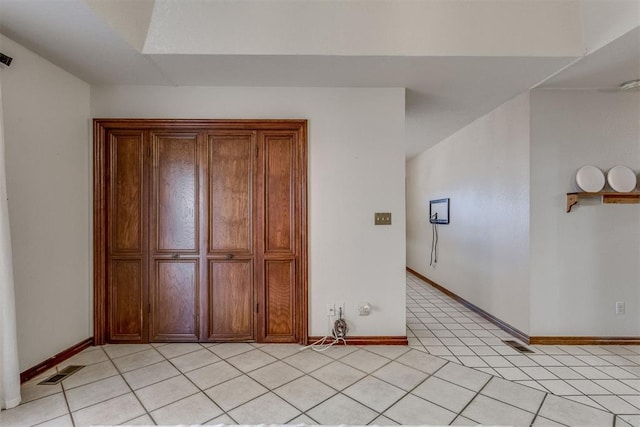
(174, 304)
(279, 187)
(230, 300)
(231, 174)
(126, 278)
(175, 193)
(126, 300)
(174, 253)
(280, 301)
(126, 193)
(279, 236)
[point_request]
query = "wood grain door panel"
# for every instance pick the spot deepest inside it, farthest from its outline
(174, 304)
(280, 299)
(127, 237)
(175, 244)
(126, 193)
(175, 193)
(279, 237)
(279, 216)
(231, 164)
(231, 300)
(126, 299)
(200, 230)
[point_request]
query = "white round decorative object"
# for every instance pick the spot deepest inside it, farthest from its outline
(621, 179)
(590, 179)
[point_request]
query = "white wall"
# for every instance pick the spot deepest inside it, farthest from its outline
(356, 168)
(46, 117)
(484, 251)
(584, 261)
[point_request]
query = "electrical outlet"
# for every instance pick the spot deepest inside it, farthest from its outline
(619, 307)
(340, 306)
(331, 310)
(364, 309)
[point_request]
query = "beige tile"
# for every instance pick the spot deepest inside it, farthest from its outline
(35, 412)
(462, 421)
(400, 375)
(266, 409)
(564, 373)
(144, 420)
(512, 374)
(227, 350)
(32, 390)
(197, 359)
(235, 392)
(222, 419)
(213, 374)
(559, 387)
(308, 360)
(421, 361)
(463, 376)
(63, 421)
(615, 404)
(251, 360)
(165, 392)
(84, 358)
(276, 374)
(374, 393)
(89, 374)
(90, 394)
(305, 392)
(338, 375)
(445, 394)
(178, 349)
(490, 411)
(110, 412)
(119, 350)
(342, 410)
(365, 361)
(544, 422)
(388, 351)
(572, 413)
(340, 351)
(515, 394)
(587, 387)
(585, 400)
(616, 387)
(383, 421)
(151, 374)
(412, 410)
(280, 351)
(138, 360)
(195, 409)
(538, 373)
(303, 419)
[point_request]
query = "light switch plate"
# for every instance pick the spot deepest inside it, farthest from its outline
(382, 218)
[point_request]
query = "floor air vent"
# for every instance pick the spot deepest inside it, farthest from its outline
(516, 345)
(56, 378)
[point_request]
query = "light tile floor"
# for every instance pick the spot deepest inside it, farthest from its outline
(244, 383)
(603, 377)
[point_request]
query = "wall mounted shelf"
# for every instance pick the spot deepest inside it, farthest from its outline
(607, 197)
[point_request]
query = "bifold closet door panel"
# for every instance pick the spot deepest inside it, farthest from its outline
(126, 195)
(231, 300)
(231, 162)
(174, 252)
(280, 234)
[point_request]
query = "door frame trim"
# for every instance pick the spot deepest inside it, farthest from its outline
(100, 203)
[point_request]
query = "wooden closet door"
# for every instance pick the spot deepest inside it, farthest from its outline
(231, 249)
(174, 250)
(279, 236)
(127, 237)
